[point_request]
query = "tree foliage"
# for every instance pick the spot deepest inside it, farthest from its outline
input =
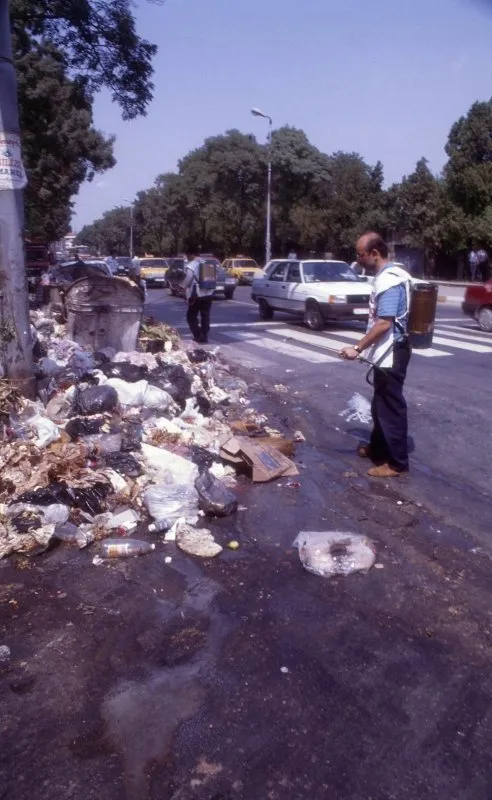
(65, 51)
(320, 202)
(61, 149)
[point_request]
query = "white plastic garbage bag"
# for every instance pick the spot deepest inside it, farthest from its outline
(141, 393)
(328, 553)
(47, 431)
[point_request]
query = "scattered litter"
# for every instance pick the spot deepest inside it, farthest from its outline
(103, 443)
(378, 566)
(284, 670)
(233, 545)
(358, 410)
(215, 499)
(123, 548)
(328, 553)
(299, 436)
(4, 652)
(279, 387)
(167, 560)
(293, 485)
(196, 541)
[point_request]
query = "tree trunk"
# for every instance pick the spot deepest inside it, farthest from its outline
(15, 332)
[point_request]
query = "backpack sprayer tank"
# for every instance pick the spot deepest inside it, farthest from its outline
(422, 316)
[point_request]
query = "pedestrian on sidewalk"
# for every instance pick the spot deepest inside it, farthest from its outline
(199, 290)
(483, 264)
(473, 264)
(388, 348)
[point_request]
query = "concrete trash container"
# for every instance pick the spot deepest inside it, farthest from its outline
(104, 312)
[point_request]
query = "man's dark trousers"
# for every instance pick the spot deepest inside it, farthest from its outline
(389, 437)
(199, 306)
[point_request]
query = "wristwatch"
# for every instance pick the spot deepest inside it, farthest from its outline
(357, 349)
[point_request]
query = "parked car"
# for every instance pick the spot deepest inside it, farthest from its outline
(226, 284)
(478, 304)
(154, 270)
(318, 291)
(124, 265)
(244, 269)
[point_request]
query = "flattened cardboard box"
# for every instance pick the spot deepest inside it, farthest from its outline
(266, 462)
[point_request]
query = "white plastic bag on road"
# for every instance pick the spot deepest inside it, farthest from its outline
(328, 553)
(175, 495)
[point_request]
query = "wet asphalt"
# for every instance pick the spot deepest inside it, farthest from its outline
(246, 676)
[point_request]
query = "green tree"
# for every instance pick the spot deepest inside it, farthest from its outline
(468, 172)
(99, 43)
(225, 184)
(421, 210)
(111, 233)
(61, 149)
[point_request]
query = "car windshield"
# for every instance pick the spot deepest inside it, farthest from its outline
(324, 271)
(153, 262)
(245, 262)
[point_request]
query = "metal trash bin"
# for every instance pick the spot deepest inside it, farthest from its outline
(104, 312)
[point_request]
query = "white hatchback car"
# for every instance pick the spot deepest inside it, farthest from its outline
(319, 291)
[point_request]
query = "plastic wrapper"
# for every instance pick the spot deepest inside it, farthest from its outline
(328, 553)
(27, 514)
(103, 443)
(124, 463)
(216, 499)
(71, 534)
(170, 501)
(95, 400)
(174, 380)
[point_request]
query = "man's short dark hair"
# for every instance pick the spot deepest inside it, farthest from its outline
(376, 242)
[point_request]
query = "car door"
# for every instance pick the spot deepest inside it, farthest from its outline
(295, 300)
(276, 286)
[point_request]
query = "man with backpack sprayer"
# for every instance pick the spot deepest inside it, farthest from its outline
(388, 349)
(199, 283)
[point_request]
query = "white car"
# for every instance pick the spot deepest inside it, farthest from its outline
(319, 291)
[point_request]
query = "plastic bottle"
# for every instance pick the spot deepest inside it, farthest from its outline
(159, 526)
(122, 548)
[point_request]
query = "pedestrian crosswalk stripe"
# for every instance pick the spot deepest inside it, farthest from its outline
(469, 336)
(337, 344)
(284, 348)
(470, 346)
(483, 335)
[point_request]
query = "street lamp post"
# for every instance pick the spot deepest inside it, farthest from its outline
(131, 224)
(268, 236)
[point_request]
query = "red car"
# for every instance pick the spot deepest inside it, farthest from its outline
(478, 304)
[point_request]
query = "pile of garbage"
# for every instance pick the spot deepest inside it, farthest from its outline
(124, 443)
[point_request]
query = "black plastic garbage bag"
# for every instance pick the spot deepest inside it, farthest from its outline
(216, 500)
(174, 380)
(201, 457)
(124, 463)
(87, 498)
(84, 426)
(198, 356)
(131, 373)
(131, 437)
(95, 400)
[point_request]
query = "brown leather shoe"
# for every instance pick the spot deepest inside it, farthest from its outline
(384, 471)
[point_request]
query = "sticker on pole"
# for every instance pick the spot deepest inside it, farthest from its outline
(12, 173)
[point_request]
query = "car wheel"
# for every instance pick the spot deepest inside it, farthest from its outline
(228, 295)
(265, 311)
(484, 318)
(313, 317)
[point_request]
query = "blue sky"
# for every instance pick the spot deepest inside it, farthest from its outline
(385, 79)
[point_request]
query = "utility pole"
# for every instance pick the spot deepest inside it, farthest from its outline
(268, 235)
(15, 333)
